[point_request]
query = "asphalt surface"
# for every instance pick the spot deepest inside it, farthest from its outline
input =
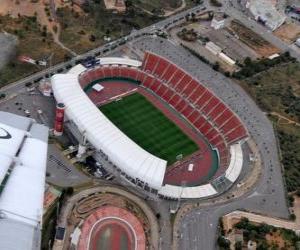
(61, 172)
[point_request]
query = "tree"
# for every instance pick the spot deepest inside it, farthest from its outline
(247, 61)
(55, 28)
(223, 242)
(216, 66)
(92, 38)
(238, 245)
(292, 217)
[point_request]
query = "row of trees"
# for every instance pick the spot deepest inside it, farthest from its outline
(250, 67)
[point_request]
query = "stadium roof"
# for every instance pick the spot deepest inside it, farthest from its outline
(104, 135)
(120, 61)
(22, 179)
(236, 163)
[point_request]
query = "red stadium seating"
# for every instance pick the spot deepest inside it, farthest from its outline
(200, 122)
(205, 111)
(177, 76)
(232, 123)
(174, 100)
(115, 71)
(182, 83)
(202, 100)
(180, 105)
(161, 67)
(194, 116)
(168, 95)
(169, 72)
(150, 63)
(218, 110)
(221, 119)
(147, 82)
(132, 73)
(189, 88)
(213, 102)
(155, 85)
(187, 110)
(236, 134)
(162, 90)
(204, 129)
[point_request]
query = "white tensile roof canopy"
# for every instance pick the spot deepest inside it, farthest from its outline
(104, 135)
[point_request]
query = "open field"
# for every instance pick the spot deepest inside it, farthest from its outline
(277, 91)
(34, 41)
(157, 4)
(252, 39)
(149, 128)
(83, 31)
(288, 32)
(289, 139)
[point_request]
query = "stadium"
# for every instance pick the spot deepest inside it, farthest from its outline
(159, 127)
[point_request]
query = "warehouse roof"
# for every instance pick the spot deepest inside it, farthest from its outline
(23, 155)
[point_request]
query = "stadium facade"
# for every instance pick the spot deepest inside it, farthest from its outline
(23, 157)
(204, 111)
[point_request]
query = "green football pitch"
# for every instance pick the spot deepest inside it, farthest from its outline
(141, 121)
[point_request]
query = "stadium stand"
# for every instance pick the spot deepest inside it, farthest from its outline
(194, 101)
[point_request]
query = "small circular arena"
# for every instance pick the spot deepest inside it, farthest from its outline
(112, 228)
(155, 124)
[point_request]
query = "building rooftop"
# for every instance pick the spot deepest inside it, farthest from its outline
(23, 156)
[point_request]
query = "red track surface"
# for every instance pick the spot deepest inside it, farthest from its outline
(112, 228)
(177, 173)
(111, 90)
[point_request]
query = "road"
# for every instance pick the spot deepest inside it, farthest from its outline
(259, 29)
(268, 197)
(198, 227)
(164, 24)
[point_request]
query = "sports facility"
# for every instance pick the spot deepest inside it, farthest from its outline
(149, 127)
(112, 228)
(164, 130)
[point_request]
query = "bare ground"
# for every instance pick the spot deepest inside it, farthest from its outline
(288, 32)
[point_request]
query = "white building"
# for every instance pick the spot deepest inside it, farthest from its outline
(265, 11)
(23, 157)
(218, 21)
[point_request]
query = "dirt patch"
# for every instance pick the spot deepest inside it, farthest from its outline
(288, 32)
(275, 239)
(296, 209)
(252, 39)
(118, 5)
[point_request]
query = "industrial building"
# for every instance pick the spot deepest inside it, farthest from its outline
(23, 156)
(265, 12)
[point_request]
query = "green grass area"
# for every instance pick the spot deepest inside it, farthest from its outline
(84, 31)
(278, 90)
(141, 121)
(289, 140)
(157, 4)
